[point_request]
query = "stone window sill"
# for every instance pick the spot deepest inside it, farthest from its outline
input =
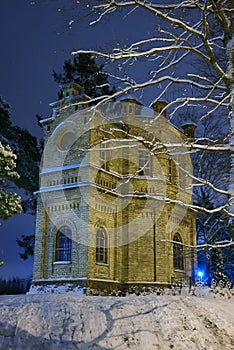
(62, 262)
(102, 264)
(178, 270)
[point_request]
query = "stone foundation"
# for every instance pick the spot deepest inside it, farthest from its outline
(94, 287)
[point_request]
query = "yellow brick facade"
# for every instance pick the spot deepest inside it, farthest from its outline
(122, 216)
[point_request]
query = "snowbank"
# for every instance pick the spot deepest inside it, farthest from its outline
(66, 321)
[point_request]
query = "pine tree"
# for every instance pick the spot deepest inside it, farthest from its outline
(14, 285)
(9, 201)
(27, 244)
(20, 155)
(85, 71)
(25, 147)
(217, 267)
(210, 230)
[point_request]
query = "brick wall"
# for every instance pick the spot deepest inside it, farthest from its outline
(87, 194)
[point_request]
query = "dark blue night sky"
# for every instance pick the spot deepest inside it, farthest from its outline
(35, 39)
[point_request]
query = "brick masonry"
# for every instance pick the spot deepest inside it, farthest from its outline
(81, 190)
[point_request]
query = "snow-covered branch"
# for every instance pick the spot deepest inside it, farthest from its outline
(222, 244)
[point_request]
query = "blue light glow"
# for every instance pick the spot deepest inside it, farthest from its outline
(200, 274)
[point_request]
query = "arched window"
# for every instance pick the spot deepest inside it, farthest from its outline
(178, 256)
(101, 246)
(172, 172)
(105, 156)
(144, 163)
(63, 244)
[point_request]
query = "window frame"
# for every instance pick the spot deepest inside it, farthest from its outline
(105, 156)
(101, 246)
(63, 245)
(144, 163)
(178, 253)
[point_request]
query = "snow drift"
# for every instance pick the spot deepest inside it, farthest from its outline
(65, 321)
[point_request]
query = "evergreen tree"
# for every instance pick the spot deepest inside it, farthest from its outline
(14, 285)
(9, 201)
(25, 146)
(19, 166)
(5, 122)
(27, 244)
(85, 71)
(217, 266)
(214, 261)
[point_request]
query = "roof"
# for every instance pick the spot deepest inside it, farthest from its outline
(129, 97)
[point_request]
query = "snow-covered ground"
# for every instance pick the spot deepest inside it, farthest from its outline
(151, 322)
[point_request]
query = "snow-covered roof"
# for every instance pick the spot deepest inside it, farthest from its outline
(62, 168)
(189, 122)
(71, 98)
(46, 120)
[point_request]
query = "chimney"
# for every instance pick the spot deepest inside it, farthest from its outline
(158, 107)
(71, 90)
(189, 129)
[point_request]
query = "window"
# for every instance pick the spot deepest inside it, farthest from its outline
(105, 156)
(101, 246)
(144, 163)
(63, 244)
(172, 171)
(178, 256)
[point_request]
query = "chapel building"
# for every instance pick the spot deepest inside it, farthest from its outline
(114, 200)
